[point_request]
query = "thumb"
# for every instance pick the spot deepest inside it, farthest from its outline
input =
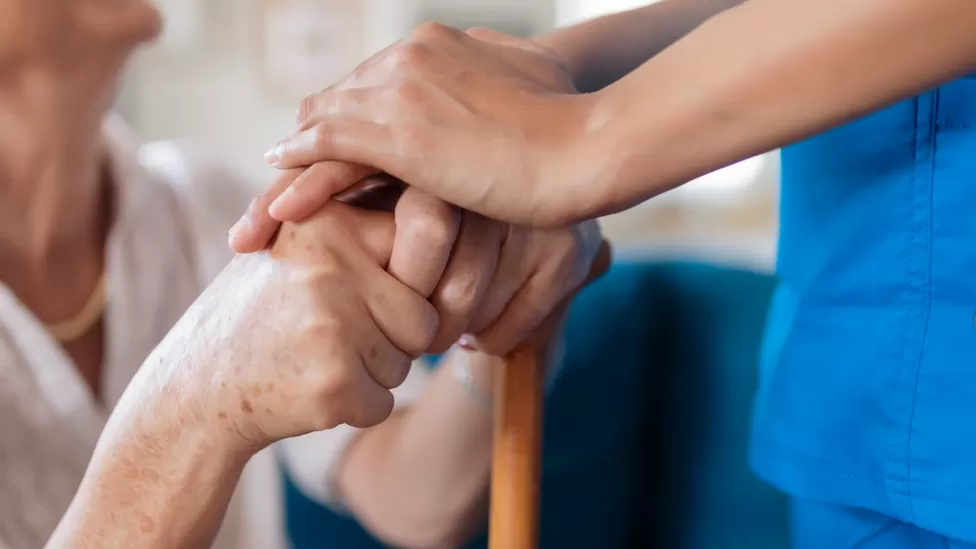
(257, 228)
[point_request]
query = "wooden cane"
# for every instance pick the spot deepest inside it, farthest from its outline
(517, 437)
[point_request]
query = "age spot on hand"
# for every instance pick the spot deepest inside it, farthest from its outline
(146, 524)
(246, 406)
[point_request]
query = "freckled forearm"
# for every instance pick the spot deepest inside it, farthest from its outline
(155, 481)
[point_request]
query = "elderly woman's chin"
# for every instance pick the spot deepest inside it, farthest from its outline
(126, 21)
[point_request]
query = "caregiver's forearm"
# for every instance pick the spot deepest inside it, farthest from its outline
(603, 50)
(765, 74)
(420, 480)
(157, 480)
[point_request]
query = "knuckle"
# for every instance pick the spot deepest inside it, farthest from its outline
(410, 55)
(323, 328)
(323, 138)
(372, 413)
(435, 229)
(565, 250)
(431, 31)
(423, 330)
(330, 383)
(481, 33)
(459, 292)
(399, 369)
(318, 285)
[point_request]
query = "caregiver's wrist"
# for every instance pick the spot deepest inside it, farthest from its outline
(599, 158)
(571, 185)
(637, 150)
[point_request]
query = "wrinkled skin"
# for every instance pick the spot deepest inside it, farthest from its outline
(307, 336)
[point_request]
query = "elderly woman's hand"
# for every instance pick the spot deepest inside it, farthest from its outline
(305, 337)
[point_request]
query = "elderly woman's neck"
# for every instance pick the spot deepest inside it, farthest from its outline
(54, 212)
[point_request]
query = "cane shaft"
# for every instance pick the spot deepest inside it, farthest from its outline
(517, 450)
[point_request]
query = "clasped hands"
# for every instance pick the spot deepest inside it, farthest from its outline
(315, 330)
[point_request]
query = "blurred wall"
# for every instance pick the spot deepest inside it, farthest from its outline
(214, 88)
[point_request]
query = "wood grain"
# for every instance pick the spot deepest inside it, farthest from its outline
(517, 434)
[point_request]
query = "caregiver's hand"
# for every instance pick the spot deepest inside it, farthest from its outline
(494, 281)
(488, 122)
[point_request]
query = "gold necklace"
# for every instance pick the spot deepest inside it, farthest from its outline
(85, 319)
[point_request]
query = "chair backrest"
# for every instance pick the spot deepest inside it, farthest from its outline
(703, 494)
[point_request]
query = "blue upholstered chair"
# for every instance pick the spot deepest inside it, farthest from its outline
(646, 429)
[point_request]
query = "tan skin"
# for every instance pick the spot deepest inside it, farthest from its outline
(58, 73)
(759, 75)
(59, 63)
(340, 333)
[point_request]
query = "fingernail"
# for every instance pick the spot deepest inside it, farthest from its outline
(276, 204)
(238, 229)
(273, 156)
(466, 344)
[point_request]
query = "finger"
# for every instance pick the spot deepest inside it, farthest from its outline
(313, 188)
(406, 319)
(338, 138)
(336, 102)
(376, 232)
(372, 232)
(466, 280)
(526, 311)
(361, 77)
(362, 403)
(426, 228)
(510, 275)
(255, 229)
(387, 365)
(536, 309)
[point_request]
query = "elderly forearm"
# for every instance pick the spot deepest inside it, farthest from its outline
(420, 480)
(766, 74)
(157, 480)
(601, 51)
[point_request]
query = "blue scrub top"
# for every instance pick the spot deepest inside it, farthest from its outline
(868, 391)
